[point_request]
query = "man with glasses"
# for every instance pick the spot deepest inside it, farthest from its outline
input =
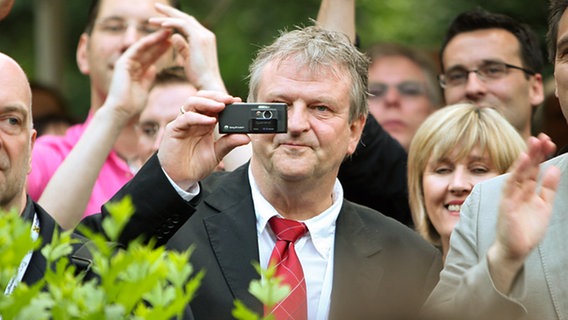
(508, 257)
(403, 89)
(107, 157)
(493, 61)
(113, 26)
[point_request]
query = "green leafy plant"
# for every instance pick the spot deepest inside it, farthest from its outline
(15, 242)
(268, 290)
(138, 282)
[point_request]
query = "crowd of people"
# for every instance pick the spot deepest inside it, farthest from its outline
(397, 192)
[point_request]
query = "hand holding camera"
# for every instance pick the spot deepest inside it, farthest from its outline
(189, 150)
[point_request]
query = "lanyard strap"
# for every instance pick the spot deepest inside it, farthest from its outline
(25, 262)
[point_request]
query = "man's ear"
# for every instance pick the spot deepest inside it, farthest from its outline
(81, 54)
(356, 128)
(536, 94)
(32, 142)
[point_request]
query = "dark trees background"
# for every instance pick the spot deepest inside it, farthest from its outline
(242, 26)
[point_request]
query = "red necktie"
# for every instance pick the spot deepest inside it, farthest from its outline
(288, 267)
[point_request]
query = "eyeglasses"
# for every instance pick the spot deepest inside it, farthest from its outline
(486, 72)
(116, 26)
(405, 89)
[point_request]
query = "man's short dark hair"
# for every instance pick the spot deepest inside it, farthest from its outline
(480, 19)
(557, 8)
(170, 75)
(94, 12)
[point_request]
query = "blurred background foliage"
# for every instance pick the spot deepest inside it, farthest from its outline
(242, 26)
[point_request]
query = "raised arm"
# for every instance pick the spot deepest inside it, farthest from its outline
(338, 15)
(524, 213)
(197, 47)
(68, 192)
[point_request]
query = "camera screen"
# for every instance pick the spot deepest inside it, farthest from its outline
(263, 125)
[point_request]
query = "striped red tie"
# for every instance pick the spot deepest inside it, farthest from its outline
(289, 269)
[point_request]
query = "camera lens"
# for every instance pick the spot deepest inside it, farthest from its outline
(267, 114)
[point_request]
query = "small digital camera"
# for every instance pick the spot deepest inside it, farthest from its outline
(242, 117)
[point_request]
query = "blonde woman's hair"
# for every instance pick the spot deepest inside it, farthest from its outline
(456, 130)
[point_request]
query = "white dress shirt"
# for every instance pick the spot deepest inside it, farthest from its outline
(314, 249)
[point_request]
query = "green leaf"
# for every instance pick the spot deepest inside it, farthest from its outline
(268, 289)
(241, 312)
(26, 300)
(138, 282)
(15, 243)
(179, 270)
(120, 212)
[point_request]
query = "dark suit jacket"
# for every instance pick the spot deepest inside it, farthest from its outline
(159, 214)
(375, 175)
(382, 269)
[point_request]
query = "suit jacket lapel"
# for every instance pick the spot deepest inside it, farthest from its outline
(356, 268)
(38, 264)
(232, 234)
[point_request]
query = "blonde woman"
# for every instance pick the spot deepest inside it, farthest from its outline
(455, 148)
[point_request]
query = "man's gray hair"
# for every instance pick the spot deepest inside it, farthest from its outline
(314, 47)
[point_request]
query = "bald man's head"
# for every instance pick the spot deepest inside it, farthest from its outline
(16, 134)
(14, 77)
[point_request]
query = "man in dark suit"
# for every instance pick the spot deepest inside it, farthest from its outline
(357, 263)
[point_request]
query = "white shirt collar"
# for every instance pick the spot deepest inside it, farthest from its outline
(321, 227)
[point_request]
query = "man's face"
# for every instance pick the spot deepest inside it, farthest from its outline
(514, 95)
(16, 134)
(399, 98)
(561, 64)
(319, 133)
(118, 25)
(162, 107)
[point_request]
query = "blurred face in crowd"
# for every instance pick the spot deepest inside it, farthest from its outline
(447, 182)
(398, 97)
(561, 64)
(164, 102)
(319, 135)
(16, 134)
(118, 25)
(513, 92)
